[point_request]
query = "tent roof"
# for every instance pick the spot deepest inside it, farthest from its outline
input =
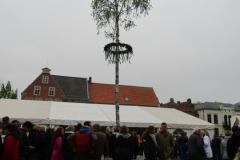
(64, 113)
(131, 116)
(177, 119)
(27, 110)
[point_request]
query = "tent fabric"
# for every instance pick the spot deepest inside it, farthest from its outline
(27, 110)
(131, 116)
(65, 113)
(177, 119)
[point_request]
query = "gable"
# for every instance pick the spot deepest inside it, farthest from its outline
(105, 93)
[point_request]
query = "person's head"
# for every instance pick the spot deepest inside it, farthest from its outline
(49, 130)
(164, 127)
(5, 119)
(150, 130)
(197, 130)
(88, 123)
(70, 128)
(202, 133)
(15, 122)
(42, 128)
(236, 130)
(59, 133)
(13, 131)
(37, 127)
(27, 126)
(78, 127)
(124, 129)
(1, 132)
(116, 130)
(206, 133)
(134, 133)
(96, 128)
(228, 133)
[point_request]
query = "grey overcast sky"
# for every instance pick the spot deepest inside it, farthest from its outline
(183, 49)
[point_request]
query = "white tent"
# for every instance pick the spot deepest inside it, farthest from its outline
(131, 116)
(34, 111)
(64, 113)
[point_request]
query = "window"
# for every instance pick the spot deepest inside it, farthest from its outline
(45, 79)
(216, 131)
(209, 117)
(126, 99)
(229, 120)
(37, 90)
(225, 120)
(51, 91)
(215, 119)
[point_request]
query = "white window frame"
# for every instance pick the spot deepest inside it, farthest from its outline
(35, 90)
(44, 79)
(128, 100)
(50, 91)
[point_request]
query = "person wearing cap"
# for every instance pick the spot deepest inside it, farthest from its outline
(15, 122)
(233, 143)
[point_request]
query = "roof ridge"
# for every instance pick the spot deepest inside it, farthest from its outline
(121, 85)
(68, 76)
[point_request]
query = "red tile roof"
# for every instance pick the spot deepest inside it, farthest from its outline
(105, 93)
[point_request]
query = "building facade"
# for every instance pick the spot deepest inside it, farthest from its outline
(219, 114)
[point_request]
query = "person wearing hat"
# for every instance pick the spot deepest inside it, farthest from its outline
(15, 122)
(233, 143)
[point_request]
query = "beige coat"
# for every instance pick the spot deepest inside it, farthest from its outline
(165, 144)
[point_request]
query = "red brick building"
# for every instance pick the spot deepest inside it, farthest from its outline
(128, 95)
(47, 87)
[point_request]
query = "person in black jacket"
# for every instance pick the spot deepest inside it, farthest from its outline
(47, 151)
(233, 143)
(135, 144)
(1, 145)
(124, 145)
(35, 140)
(24, 146)
(149, 144)
(195, 146)
(112, 143)
(42, 134)
(67, 150)
(216, 142)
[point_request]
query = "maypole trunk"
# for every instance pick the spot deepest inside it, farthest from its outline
(117, 72)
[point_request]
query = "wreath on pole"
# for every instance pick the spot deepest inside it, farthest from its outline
(125, 52)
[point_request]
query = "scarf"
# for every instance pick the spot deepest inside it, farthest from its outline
(153, 137)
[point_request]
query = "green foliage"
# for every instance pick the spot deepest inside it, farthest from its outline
(196, 103)
(7, 92)
(109, 13)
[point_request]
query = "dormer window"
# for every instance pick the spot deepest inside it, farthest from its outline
(45, 79)
(126, 99)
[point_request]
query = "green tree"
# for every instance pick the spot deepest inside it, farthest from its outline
(7, 92)
(114, 14)
(196, 103)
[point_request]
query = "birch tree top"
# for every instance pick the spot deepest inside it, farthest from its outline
(112, 14)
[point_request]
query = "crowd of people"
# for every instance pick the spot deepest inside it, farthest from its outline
(86, 142)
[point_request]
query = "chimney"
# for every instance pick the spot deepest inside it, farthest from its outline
(46, 70)
(90, 80)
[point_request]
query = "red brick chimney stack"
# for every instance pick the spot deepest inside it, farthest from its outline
(90, 80)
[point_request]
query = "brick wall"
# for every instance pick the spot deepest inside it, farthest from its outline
(28, 94)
